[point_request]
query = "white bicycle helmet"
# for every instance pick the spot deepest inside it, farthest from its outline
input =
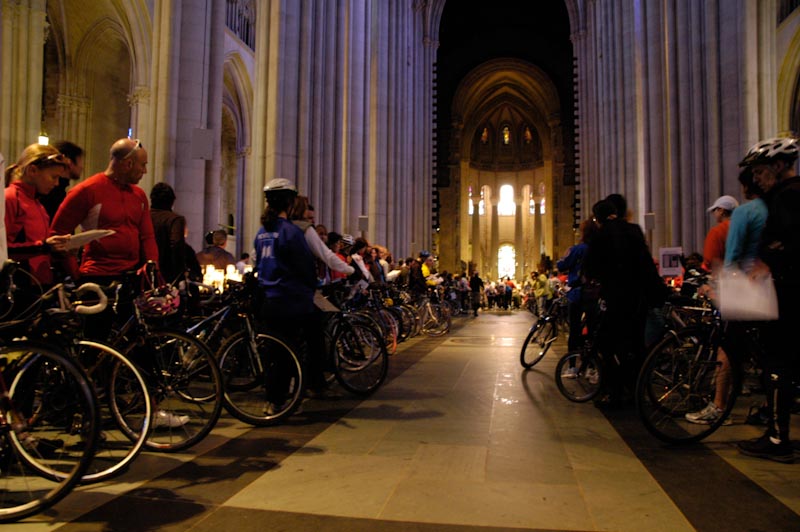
(765, 151)
(279, 184)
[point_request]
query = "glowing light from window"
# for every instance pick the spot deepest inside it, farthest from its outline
(506, 135)
(481, 208)
(506, 207)
(532, 206)
(506, 261)
(471, 207)
(541, 206)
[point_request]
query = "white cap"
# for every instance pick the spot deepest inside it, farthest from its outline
(727, 203)
(279, 184)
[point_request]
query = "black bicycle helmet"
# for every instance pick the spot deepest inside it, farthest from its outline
(764, 151)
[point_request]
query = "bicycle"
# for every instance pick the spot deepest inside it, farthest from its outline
(123, 397)
(680, 375)
(48, 417)
(182, 374)
(544, 332)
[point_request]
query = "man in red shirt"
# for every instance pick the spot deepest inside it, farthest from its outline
(112, 200)
(714, 248)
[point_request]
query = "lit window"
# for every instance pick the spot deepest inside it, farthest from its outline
(481, 208)
(506, 261)
(532, 206)
(471, 207)
(506, 135)
(506, 207)
(541, 206)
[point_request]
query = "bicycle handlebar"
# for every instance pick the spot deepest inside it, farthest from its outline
(98, 307)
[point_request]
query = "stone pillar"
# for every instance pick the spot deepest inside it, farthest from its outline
(537, 230)
(243, 244)
(519, 239)
(494, 242)
(23, 35)
(475, 234)
(73, 114)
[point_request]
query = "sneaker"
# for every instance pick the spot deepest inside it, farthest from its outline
(708, 415)
(164, 419)
(592, 376)
(766, 447)
(570, 373)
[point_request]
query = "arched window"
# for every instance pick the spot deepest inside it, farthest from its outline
(506, 207)
(506, 135)
(506, 261)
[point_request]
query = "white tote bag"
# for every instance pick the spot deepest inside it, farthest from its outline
(740, 298)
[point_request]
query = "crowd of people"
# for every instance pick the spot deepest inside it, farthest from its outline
(294, 257)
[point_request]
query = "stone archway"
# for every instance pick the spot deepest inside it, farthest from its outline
(506, 131)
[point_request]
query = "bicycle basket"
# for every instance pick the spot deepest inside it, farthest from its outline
(157, 299)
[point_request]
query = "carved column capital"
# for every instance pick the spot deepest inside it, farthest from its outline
(140, 94)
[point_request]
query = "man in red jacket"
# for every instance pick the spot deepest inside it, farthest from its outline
(112, 200)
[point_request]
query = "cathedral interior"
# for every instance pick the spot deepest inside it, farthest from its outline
(482, 132)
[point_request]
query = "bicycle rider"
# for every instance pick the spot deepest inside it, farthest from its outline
(773, 163)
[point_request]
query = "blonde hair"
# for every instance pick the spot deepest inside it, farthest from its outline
(30, 155)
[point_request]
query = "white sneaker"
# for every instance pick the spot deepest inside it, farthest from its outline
(592, 376)
(708, 415)
(570, 373)
(164, 419)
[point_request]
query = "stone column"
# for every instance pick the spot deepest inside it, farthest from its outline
(243, 243)
(494, 241)
(519, 239)
(475, 232)
(73, 114)
(23, 33)
(537, 230)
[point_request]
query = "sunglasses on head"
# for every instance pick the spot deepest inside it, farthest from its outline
(135, 147)
(47, 160)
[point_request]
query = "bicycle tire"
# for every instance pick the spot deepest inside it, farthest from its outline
(361, 359)
(59, 436)
(678, 377)
(542, 334)
(435, 319)
(185, 381)
(115, 450)
(254, 392)
(587, 381)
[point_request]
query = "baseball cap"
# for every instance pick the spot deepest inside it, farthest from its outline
(727, 203)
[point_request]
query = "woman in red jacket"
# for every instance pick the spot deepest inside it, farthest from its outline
(35, 174)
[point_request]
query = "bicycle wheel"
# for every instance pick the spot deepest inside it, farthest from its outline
(263, 378)
(539, 339)
(48, 423)
(124, 401)
(117, 382)
(435, 319)
(362, 361)
(411, 317)
(679, 376)
(579, 376)
(186, 383)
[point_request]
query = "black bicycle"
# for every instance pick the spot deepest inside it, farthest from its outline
(544, 332)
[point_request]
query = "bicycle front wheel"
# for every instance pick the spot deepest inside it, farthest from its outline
(536, 344)
(186, 383)
(48, 424)
(579, 376)
(435, 319)
(263, 378)
(679, 377)
(362, 361)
